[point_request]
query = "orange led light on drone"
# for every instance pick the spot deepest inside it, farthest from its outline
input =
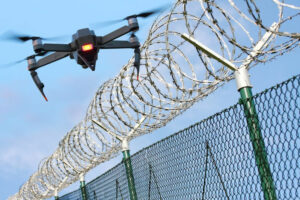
(87, 47)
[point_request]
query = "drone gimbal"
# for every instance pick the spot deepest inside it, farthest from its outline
(84, 49)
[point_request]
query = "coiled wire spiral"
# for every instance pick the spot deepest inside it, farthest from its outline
(174, 75)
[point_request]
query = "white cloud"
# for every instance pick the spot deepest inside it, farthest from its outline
(25, 152)
(18, 157)
(9, 100)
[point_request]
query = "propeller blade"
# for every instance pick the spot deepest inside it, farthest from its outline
(146, 14)
(12, 63)
(106, 23)
(142, 15)
(60, 37)
(20, 61)
(13, 36)
(26, 38)
(149, 12)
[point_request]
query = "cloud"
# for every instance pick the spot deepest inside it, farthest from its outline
(9, 100)
(18, 157)
(25, 152)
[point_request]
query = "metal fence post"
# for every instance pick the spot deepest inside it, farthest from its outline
(262, 163)
(244, 87)
(128, 168)
(82, 187)
(56, 195)
(126, 156)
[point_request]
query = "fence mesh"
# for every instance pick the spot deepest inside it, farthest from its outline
(214, 159)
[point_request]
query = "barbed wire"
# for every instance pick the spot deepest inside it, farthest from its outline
(174, 75)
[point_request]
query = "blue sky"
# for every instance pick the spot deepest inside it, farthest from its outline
(30, 128)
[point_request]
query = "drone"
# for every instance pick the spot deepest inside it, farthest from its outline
(84, 47)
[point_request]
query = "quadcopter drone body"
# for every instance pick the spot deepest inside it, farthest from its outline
(84, 49)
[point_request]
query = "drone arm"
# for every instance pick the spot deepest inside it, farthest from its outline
(49, 59)
(117, 33)
(52, 47)
(118, 44)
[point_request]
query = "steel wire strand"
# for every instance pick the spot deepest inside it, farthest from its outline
(174, 75)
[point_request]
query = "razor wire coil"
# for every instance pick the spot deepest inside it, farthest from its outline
(214, 158)
(174, 75)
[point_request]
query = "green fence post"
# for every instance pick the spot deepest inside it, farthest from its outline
(262, 163)
(56, 195)
(126, 155)
(82, 187)
(128, 168)
(244, 87)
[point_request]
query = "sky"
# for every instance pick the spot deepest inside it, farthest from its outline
(30, 128)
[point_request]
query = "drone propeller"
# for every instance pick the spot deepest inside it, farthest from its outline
(26, 38)
(140, 15)
(147, 13)
(10, 35)
(12, 63)
(22, 60)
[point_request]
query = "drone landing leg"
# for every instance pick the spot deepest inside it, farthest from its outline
(137, 58)
(38, 83)
(118, 44)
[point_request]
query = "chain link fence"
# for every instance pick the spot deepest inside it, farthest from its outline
(214, 159)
